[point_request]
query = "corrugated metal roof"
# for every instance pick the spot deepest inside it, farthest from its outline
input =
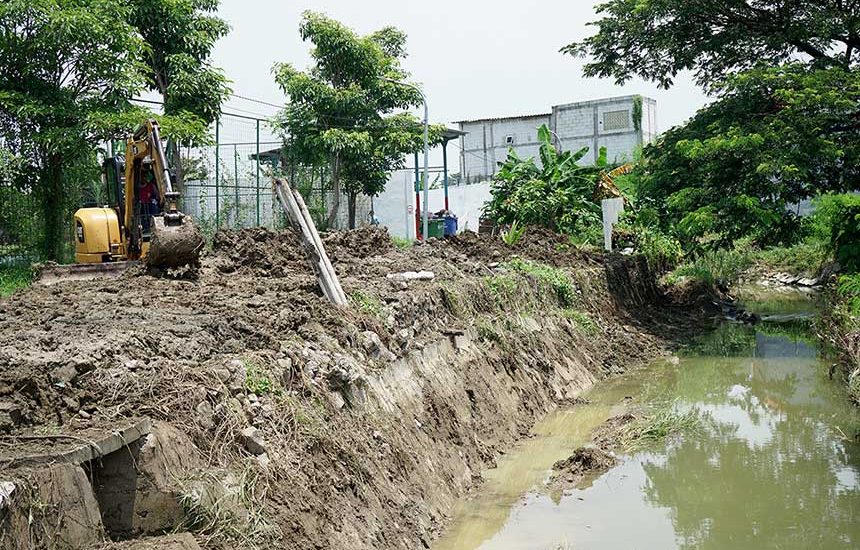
(492, 119)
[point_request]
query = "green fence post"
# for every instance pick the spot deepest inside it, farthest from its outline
(236, 186)
(258, 172)
(217, 173)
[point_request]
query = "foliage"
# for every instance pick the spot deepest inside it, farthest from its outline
(65, 67)
(849, 291)
(775, 136)
(845, 238)
(722, 266)
(14, 278)
(513, 234)
(401, 242)
(501, 287)
(558, 195)
(342, 111)
(549, 276)
(581, 319)
(661, 251)
(662, 420)
(366, 303)
(657, 39)
(256, 379)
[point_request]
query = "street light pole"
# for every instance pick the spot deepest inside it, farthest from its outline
(424, 178)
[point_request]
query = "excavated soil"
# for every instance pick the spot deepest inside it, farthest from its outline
(327, 427)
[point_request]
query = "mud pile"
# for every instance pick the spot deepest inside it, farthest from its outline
(280, 420)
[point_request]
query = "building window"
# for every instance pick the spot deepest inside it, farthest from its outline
(616, 120)
(509, 140)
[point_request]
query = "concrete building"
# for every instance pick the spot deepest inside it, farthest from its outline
(621, 124)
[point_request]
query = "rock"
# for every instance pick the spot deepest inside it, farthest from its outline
(263, 460)
(10, 416)
(336, 400)
(412, 276)
(205, 414)
(806, 281)
(64, 375)
(223, 374)
(461, 341)
(286, 364)
(253, 440)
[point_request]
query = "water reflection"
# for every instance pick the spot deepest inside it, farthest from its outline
(777, 466)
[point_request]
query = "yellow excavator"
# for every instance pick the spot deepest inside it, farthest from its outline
(141, 221)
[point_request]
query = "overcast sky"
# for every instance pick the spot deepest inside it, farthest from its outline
(475, 58)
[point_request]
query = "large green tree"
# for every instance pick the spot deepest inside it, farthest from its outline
(180, 36)
(773, 137)
(657, 39)
(346, 110)
(66, 67)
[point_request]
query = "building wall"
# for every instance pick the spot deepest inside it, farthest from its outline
(593, 124)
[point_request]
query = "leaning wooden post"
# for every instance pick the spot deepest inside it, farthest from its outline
(315, 253)
(319, 246)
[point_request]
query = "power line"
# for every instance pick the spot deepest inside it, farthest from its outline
(260, 101)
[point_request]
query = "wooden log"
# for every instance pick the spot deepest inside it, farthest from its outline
(297, 220)
(319, 245)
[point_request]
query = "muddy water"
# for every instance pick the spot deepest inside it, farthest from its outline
(777, 464)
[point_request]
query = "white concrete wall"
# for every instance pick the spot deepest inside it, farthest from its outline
(395, 207)
(578, 125)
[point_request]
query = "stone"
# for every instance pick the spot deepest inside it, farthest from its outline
(64, 375)
(223, 374)
(205, 414)
(263, 460)
(7, 489)
(336, 400)
(10, 416)
(253, 441)
(461, 341)
(412, 276)
(806, 281)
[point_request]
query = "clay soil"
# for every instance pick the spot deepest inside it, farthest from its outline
(374, 418)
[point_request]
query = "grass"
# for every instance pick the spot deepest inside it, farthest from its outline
(552, 277)
(657, 424)
(724, 265)
(401, 242)
(14, 278)
(805, 257)
(366, 303)
(585, 323)
(500, 286)
(256, 381)
(512, 235)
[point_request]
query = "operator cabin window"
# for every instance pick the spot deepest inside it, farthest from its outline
(616, 120)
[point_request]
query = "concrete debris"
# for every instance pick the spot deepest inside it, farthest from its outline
(6, 490)
(412, 276)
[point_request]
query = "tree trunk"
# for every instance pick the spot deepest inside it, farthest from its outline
(176, 153)
(53, 210)
(335, 181)
(351, 196)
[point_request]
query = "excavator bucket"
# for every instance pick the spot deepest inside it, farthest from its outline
(172, 246)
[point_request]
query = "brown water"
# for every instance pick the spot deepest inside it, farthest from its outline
(777, 465)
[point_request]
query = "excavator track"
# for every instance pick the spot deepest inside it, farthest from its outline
(48, 274)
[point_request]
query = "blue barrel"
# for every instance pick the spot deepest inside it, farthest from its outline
(450, 225)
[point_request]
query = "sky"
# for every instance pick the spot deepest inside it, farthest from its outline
(474, 58)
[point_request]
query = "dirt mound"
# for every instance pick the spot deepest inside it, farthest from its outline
(585, 462)
(258, 250)
(370, 240)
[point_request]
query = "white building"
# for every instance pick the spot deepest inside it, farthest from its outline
(621, 124)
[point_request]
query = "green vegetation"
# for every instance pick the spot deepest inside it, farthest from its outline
(549, 276)
(585, 323)
(654, 425)
(501, 287)
(14, 278)
(402, 243)
(256, 379)
(513, 234)
(366, 303)
(346, 111)
(722, 266)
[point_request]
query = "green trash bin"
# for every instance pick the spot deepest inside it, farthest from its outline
(436, 228)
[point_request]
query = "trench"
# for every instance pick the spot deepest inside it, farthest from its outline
(776, 463)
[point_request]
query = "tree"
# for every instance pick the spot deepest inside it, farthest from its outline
(774, 137)
(559, 194)
(342, 112)
(66, 67)
(179, 36)
(657, 39)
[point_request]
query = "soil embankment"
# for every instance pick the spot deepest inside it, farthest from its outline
(268, 417)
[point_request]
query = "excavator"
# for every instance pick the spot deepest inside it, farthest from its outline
(141, 221)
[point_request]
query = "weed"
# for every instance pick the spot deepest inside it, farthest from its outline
(402, 243)
(657, 424)
(724, 266)
(14, 277)
(513, 234)
(809, 256)
(487, 332)
(256, 381)
(547, 275)
(366, 303)
(501, 287)
(585, 323)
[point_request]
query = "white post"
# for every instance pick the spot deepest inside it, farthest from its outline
(611, 208)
